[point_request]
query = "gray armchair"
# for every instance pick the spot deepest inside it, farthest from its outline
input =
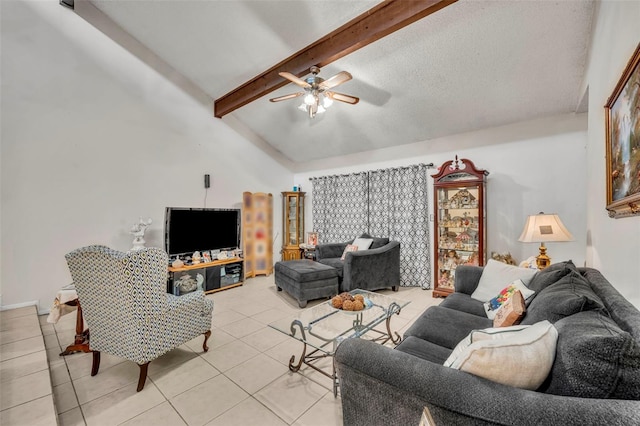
(372, 269)
(125, 304)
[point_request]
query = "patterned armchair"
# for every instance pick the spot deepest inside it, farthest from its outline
(125, 304)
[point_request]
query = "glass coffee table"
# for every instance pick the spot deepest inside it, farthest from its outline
(323, 327)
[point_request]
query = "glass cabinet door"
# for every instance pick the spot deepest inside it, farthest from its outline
(458, 232)
(459, 221)
(294, 219)
(293, 224)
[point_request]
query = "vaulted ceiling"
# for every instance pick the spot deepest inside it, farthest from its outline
(469, 66)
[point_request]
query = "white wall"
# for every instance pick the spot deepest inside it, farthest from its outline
(614, 244)
(92, 138)
(534, 166)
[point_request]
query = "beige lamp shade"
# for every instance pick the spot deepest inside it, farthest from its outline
(544, 228)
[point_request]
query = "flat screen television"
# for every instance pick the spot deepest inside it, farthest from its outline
(189, 229)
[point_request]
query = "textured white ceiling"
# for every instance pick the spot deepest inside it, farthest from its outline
(472, 65)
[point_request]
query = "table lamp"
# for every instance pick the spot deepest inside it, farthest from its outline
(543, 228)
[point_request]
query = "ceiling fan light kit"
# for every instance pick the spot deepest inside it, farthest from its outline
(317, 98)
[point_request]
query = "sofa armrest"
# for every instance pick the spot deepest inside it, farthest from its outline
(380, 385)
(467, 278)
(331, 250)
(372, 269)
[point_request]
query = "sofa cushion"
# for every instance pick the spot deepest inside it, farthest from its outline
(496, 276)
(424, 349)
(551, 275)
(377, 242)
(594, 359)
(570, 295)
(519, 356)
(492, 306)
(464, 303)
(446, 327)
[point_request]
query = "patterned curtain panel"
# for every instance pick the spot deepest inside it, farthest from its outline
(339, 207)
(399, 208)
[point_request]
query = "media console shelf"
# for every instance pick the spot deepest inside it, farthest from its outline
(209, 277)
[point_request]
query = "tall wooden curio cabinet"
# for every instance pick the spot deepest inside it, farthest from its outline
(293, 224)
(460, 220)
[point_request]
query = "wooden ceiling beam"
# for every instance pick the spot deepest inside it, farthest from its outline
(376, 23)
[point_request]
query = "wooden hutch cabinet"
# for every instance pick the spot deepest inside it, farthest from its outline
(460, 220)
(293, 224)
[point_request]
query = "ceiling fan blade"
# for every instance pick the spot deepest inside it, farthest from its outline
(343, 98)
(341, 77)
(285, 97)
(300, 82)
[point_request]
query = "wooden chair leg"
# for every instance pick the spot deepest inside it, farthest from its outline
(96, 363)
(207, 334)
(143, 375)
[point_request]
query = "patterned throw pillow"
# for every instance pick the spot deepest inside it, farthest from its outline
(492, 306)
(347, 249)
(511, 311)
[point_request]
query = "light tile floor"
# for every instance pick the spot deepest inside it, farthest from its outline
(242, 380)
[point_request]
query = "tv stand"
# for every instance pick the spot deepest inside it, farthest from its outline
(216, 275)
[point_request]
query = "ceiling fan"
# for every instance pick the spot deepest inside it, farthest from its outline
(317, 94)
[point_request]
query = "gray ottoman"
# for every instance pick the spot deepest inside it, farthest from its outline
(306, 280)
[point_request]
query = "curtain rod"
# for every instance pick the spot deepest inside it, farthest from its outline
(428, 166)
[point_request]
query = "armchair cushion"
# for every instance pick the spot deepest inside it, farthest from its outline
(335, 262)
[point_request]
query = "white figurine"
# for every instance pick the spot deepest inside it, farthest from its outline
(196, 258)
(138, 232)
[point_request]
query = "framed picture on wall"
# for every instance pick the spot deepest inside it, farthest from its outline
(622, 113)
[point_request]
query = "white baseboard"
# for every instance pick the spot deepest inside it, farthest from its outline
(19, 305)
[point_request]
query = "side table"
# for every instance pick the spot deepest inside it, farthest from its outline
(65, 300)
(308, 251)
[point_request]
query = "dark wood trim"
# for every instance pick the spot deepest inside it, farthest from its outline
(376, 23)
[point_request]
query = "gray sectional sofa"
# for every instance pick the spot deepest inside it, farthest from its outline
(595, 378)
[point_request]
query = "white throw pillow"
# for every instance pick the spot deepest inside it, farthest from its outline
(363, 243)
(492, 306)
(496, 276)
(519, 356)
